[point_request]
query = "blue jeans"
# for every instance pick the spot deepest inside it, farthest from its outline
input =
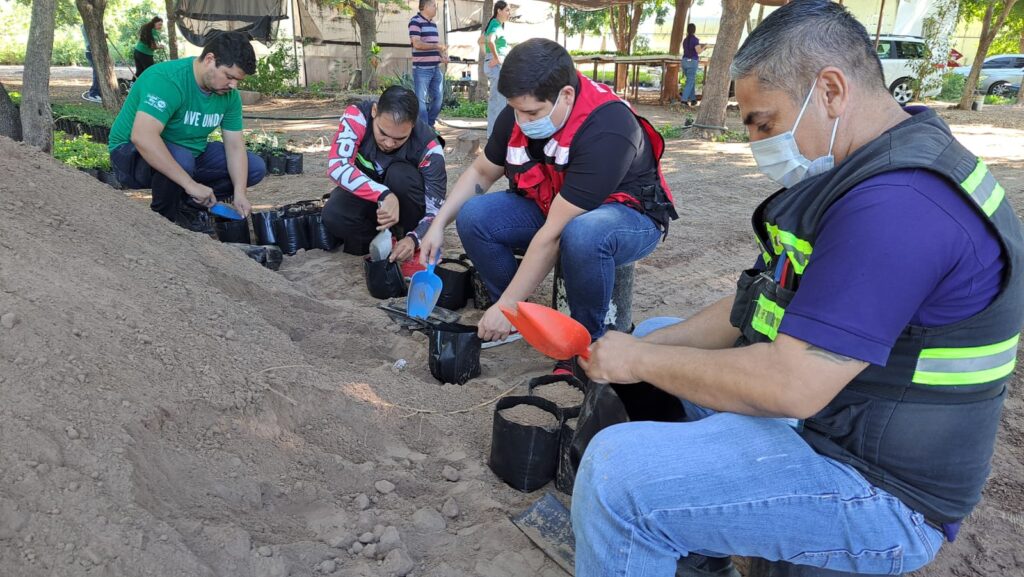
(690, 70)
(209, 168)
(496, 103)
(592, 245)
(94, 90)
(725, 484)
(427, 85)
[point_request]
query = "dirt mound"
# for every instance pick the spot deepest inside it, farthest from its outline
(169, 407)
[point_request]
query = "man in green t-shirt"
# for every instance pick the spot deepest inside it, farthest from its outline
(159, 139)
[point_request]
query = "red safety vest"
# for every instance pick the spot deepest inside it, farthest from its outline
(541, 179)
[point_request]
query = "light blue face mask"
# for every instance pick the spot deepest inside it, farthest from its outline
(779, 157)
(542, 127)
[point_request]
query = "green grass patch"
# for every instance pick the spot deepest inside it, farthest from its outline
(671, 131)
(80, 151)
(732, 136)
(997, 100)
(468, 109)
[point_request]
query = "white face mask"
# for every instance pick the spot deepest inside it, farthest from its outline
(779, 157)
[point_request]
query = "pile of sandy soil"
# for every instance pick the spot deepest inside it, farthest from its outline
(168, 407)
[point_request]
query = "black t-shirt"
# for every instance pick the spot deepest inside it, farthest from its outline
(609, 154)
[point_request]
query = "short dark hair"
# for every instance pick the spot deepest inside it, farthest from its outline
(691, 28)
(793, 44)
(538, 68)
(401, 103)
(230, 49)
(423, 3)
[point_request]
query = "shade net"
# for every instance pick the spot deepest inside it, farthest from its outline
(200, 20)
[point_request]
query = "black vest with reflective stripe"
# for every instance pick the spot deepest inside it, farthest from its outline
(922, 427)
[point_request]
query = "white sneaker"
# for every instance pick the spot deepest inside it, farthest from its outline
(511, 338)
(87, 96)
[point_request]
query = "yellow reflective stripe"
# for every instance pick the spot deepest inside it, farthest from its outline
(983, 189)
(797, 249)
(977, 377)
(966, 365)
(993, 201)
(970, 352)
(975, 177)
(767, 317)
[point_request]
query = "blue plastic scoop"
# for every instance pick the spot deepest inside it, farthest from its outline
(424, 290)
(226, 211)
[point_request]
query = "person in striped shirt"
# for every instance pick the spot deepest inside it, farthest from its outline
(427, 55)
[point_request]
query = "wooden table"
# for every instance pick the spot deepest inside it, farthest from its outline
(664, 61)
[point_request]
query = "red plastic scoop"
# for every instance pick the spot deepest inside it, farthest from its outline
(549, 331)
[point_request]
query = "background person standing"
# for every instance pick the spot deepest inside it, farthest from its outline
(149, 41)
(427, 55)
(93, 94)
(691, 60)
(495, 48)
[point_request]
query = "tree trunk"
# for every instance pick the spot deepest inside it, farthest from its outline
(634, 25)
(366, 21)
(171, 26)
(36, 116)
(10, 122)
(482, 82)
(675, 43)
(92, 15)
(619, 17)
(989, 31)
(715, 97)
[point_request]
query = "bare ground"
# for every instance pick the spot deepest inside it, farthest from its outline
(168, 407)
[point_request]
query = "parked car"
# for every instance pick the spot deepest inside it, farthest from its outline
(898, 55)
(998, 73)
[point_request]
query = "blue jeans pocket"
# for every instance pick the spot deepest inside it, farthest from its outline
(884, 562)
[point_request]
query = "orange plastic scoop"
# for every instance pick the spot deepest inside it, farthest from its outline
(549, 331)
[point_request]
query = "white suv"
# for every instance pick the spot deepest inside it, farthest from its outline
(898, 54)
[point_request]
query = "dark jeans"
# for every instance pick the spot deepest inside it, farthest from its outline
(209, 168)
(142, 62)
(94, 90)
(353, 220)
(592, 245)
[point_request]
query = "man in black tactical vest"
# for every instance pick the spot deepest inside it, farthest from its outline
(842, 406)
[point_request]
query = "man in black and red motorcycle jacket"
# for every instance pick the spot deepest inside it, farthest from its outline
(585, 187)
(389, 171)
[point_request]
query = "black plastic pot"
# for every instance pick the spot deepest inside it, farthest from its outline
(293, 163)
(263, 226)
(564, 412)
(475, 286)
(231, 230)
(523, 456)
(383, 278)
(91, 172)
(276, 164)
(454, 353)
(565, 473)
(292, 233)
(109, 177)
(319, 236)
(455, 285)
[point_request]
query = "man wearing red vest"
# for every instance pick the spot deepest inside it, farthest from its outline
(585, 187)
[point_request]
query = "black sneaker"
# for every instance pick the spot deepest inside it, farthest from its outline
(695, 565)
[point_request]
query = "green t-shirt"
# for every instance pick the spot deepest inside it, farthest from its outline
(143, 48)
(168, 91)
(498, 31)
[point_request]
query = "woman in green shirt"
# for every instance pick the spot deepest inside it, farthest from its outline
(149, 41)
(495, 48)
